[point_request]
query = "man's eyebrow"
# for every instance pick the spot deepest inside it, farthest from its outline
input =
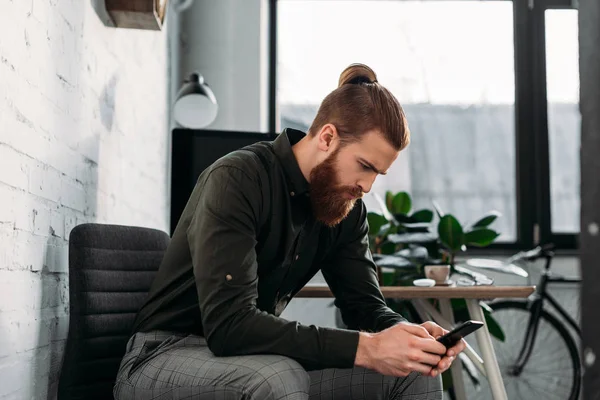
(370, 165)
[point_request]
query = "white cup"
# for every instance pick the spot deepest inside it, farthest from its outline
(439, 273)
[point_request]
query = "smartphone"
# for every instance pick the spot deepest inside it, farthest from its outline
(455, 335)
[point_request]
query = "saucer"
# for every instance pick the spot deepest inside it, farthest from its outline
(448, 282)
(424, 282)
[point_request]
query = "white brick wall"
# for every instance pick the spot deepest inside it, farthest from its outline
(83, 137)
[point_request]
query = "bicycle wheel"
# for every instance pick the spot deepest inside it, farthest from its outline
(553, 370)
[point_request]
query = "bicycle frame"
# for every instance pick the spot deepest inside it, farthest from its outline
(536, 305)
(572, 323)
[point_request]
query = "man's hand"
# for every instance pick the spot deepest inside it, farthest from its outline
(436, 331)
(400, 350)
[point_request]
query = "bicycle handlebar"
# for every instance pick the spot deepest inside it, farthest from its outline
(533, 254)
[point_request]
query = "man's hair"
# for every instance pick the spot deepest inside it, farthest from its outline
(360, 104)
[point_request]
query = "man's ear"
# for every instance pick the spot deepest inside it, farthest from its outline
(326, 137)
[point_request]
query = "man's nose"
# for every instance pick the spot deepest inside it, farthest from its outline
(366, 185)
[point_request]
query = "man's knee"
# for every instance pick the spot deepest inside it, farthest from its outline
(282, 378)
(415, 383)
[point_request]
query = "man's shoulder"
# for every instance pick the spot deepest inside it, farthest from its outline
(249, 160)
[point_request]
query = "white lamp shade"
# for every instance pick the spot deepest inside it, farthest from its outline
(195, 111)
(196, 106)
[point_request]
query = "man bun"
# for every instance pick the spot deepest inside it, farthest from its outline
(359, 105)
(357, 74)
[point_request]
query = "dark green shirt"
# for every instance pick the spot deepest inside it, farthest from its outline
(245, 244)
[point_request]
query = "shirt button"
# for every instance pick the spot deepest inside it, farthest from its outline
(292, 194)
(297, 257)
(228, 277)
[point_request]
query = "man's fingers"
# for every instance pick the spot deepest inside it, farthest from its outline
(457, 348)
(434, 329)
(429, 358)
(417, 330)
(431, 346)
(445, 363)
(422, 368)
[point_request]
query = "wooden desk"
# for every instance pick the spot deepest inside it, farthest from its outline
(487, 363)
(438, 292)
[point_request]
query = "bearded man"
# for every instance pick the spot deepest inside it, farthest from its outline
(259, 224)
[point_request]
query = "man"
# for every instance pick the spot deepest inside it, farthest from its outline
(259, 224)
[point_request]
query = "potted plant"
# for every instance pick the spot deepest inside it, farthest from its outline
(396, 234)
(400, 239)
(456, 237)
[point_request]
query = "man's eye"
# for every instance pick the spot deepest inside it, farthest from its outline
(365, 167)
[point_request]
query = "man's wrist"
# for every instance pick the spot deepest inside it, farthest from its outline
(367, 344)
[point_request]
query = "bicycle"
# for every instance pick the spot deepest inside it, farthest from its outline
(543, 360)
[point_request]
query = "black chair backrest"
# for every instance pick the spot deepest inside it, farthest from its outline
(111, 268)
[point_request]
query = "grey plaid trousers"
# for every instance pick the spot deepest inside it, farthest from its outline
(163, 365)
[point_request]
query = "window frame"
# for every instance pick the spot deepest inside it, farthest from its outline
(532, 153)
(563, 241)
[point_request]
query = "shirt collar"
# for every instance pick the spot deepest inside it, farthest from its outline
(282, 146)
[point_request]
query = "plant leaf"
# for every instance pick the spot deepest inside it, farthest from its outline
(388, 248)
(486, 220)
(458, 304)
(376, 222)
(480, 237)
(384, 209)
(451, 233)
(403, 219)
(417, 254)
(401, 204)
(486, 306)
(413, 238)
(389, 197)
(388, 229)
(417, 227)
(422, 216)
(493, 326)
(461, 313)
(393, 261)
(438, 209)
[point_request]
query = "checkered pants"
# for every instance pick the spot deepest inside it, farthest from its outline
(163, 365)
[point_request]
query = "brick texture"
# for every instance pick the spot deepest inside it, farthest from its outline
(83, 137)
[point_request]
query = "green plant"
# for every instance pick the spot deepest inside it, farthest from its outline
(397, 228)
(396, 219)
(456, 237)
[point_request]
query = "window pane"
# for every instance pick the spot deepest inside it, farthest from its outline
(564, 119)
(450, 64)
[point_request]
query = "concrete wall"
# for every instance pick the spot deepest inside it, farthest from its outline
(83, 118)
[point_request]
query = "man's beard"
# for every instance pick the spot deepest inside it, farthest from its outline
(329, 204)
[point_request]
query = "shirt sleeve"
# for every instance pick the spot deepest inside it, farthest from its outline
(352, 277)
(222, 239)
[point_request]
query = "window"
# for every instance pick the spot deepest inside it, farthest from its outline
(490, 90)
(564, 119)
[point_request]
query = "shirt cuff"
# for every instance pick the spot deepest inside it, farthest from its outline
(340, 348)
